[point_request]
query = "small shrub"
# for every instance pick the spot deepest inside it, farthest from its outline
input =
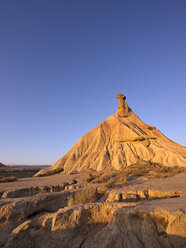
(104, 177)
(125, 181)
(110, 184)
(89, 178)
(74, 181)
(160, 175)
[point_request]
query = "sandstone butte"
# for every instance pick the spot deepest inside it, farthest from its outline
(119, 141)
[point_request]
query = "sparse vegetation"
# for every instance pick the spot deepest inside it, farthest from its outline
(89, 178)
(125, 181)
(7, 179)
(110, 184)
(132, 172)
(103, 177)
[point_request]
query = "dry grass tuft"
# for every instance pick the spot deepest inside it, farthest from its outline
(125, 181)
(89, 178)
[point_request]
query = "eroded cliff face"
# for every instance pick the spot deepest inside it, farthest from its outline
(146, 213)
(48, 221)
(120, 141)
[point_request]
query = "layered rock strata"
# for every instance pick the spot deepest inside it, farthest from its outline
(149, 213)
(48, 221)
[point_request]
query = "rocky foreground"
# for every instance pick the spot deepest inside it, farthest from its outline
(66, 211)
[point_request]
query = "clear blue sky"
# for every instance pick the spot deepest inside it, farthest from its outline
(63, 62)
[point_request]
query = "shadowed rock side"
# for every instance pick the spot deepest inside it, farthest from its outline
(119, 141)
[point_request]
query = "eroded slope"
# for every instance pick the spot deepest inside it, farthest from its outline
(120, 141)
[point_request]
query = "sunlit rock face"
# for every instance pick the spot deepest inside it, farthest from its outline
(96, 225)
(119, 141)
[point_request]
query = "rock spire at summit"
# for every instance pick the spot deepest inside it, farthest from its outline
(121, 140)
(123, 108)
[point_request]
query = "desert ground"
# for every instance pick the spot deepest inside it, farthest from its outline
(71, 211)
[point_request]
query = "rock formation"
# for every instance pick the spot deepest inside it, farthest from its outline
(49, 221)
(123, 108)
(75, 214)
(119, 141)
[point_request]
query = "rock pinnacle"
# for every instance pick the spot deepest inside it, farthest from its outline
(122, 106)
